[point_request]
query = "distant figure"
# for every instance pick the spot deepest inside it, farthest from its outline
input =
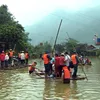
(88, 61)
(81, 59)
(11, 53)
(19, 57)
(66, 74)
(26, 57)
(22, 58)
(6, 60)
(2, 59)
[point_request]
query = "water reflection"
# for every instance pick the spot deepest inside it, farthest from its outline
(20, 86)
(56, 90)
(74, 90)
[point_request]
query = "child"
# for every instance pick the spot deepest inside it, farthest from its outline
(32, 67)
(66, 74)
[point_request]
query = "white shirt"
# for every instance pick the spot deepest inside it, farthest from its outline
(6, 57)
(22, 56)
(67, 60)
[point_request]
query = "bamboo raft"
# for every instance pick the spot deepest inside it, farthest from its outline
(77, 78)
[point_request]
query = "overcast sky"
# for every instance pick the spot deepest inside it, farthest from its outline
(28, 12)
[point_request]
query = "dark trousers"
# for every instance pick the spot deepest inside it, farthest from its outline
(26, 61)
(2, 64)
(74, 75)
(22, 62)
(6, 63)
(19, 60)
(60, 70)
(51, 70)
(47, 69)
(10, 60)
(30, 72)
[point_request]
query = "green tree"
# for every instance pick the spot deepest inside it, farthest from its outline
(11, 32)
(71, 44)
(5, 16)
(40, 49)
(60, 48)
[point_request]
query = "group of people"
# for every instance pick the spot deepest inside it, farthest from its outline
(61, 65)
(84, 60)
(23, 57)
(7, 58)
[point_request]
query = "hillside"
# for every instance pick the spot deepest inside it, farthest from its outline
(81, 26)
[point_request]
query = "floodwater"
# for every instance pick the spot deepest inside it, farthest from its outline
(19, 85)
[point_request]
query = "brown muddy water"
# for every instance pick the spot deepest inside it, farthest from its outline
(19, 85)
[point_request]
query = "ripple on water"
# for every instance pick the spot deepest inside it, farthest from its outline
(23, 87)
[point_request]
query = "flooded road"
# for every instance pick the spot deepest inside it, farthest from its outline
(19, 85)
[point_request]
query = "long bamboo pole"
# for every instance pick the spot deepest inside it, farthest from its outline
(84, 72)
(56, 36)
(81, 66)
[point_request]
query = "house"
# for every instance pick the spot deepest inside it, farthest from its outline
(90, 47)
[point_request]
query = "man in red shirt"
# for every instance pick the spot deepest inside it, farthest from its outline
(57, 64)
(61, 63)
(2, 59)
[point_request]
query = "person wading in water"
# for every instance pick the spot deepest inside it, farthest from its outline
(61, 63)
(57, 64)
(46, 58)
(75, 61)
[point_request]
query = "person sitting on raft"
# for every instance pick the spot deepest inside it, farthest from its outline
(88, 61)
(32, 67)
(66, 74)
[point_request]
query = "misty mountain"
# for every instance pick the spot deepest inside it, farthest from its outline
(81, 25)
